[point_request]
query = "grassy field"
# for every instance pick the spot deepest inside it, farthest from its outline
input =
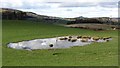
(96, 54)
(0, 43)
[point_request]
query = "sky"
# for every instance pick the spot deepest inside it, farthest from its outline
(66, 8)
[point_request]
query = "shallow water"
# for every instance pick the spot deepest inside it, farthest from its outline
(55, 42)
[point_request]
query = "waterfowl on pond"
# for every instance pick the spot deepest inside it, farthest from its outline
(84, 40)
(89, 37)
(107, 40)
(96, 38)
(73, 40)
(70, 36)
(104, 38)
(69, 39)
(84, 37)
(78, 37)
(51, 45)
(64, 38)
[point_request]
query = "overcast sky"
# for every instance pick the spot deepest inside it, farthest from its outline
(66, 8)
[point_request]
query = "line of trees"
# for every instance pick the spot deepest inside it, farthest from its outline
(86, 20)
(94, 21)
(13, 15)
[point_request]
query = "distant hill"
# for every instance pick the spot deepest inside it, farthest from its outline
(97, 20)
(13, 14)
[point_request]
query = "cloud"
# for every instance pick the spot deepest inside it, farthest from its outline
(119, 4)
(62, 3)
(65, 8)
(77, 4)
(35, 6)
(93, 1)
(109, 4)
(25, 5)
(53, 2)
(68, 9)
(90, 4)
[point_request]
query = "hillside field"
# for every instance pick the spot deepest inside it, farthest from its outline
(96, 54)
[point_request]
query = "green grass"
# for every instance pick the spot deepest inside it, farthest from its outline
(0, 43)
(96, 54)
(0, 56)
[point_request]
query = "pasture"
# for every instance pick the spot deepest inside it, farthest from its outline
(0, 43)
(96, 27)
(96, 54)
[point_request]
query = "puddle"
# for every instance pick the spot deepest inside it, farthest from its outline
(54, 43)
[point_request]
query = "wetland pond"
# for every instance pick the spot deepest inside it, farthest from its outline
(57, 42)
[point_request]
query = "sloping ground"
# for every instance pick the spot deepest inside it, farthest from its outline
(96, 54)
(94, 26)
(0, 56)
(0, 45)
